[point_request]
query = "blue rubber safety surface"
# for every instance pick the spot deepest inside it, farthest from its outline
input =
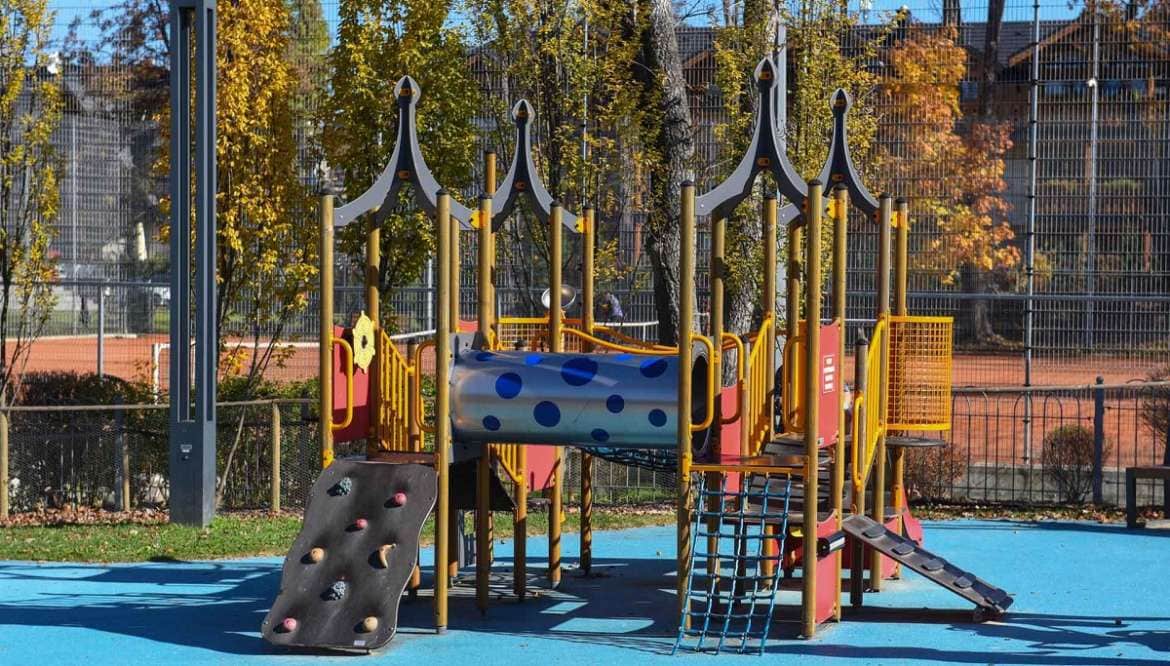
(1084, 594)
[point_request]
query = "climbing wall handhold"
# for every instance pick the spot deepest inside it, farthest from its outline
(399, 499)
(336, 591)
(370, 624)
(342, 487)
(384, 554)
(361, 524)
(316, 555)
(288, 624)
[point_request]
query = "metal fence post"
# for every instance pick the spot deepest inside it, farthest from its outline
(121, 462)
(101, 332)
(3, 465)
(1166, 462)
(275, 457)
(1098, 439)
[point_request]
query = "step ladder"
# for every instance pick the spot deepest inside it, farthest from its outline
(986, 597)
(730, 593)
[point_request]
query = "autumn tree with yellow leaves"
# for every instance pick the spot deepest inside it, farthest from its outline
(30, 110)
(954, 173)
(379, 42)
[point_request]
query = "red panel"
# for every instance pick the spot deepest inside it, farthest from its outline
(827, 574)
(360, 427)
(912, 527)
(831, 378)
(541, 462)
(729, 433)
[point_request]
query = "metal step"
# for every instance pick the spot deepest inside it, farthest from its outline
(963, 583)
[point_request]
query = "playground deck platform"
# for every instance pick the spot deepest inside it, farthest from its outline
(1084, 594)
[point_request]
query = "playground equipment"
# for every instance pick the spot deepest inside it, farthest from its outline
(761, 481)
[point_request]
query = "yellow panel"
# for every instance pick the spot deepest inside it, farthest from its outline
(920, 373)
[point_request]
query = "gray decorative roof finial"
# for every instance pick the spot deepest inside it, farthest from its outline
(406, 166)
(523, 179)
(839, 168)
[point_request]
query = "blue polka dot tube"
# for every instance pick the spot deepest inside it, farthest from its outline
(619, 400)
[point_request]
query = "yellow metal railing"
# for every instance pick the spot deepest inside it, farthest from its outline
(792, 412)
(711, 385)
(395, 394)
(732, 341)
(920, 373)
(347, 363)
(416, 391)
(531, 332)
(755, 398)
(871, 403)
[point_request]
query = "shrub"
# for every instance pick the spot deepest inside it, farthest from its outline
(1067, 456)
(929, 473)
(1155, 408)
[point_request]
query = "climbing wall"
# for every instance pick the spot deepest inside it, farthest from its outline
(346, 571)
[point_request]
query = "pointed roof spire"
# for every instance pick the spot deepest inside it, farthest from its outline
(406, 166)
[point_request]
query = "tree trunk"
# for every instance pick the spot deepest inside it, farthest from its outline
(659, 70)
(976, 311)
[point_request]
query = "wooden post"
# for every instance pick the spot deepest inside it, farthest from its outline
(444, 310)
(275, 502)
(718, 270)
(414, 444)
(556, 346)
(901, 259)
(4, 466)
(325, 366)
(686, 315)
(588, 240)
(373, 308)
(885, 222)
(811, 399)
(857, 554)
(769, 306)
(840, 232)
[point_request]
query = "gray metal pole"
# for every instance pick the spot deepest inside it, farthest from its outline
(101, 332)
(1091, 240)
(1030, 230)
(1098, 441)
(192, 427)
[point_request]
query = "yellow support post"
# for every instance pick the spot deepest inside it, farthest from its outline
(792, 294)
(770, 218)
(718, 270)
(686, 315)
(484, 471)
(455, 268)
(556, 345)
(811, 398)
(885, 221)
(325, 365)
(373, 305)
(840, 231)
(588, 240)
(274, 502)
(901, 259)
(443, 309)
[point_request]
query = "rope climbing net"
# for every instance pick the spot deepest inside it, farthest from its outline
(733, 580)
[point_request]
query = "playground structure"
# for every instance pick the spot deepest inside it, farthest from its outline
(762, 465)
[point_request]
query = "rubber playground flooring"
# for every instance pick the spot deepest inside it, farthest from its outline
(1084, 594)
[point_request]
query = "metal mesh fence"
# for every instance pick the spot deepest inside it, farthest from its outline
(1087, 195)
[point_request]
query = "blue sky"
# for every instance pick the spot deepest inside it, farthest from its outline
(925, 10)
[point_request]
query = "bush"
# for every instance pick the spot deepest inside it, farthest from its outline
(1155, 409)
(929, 473)
(1067, 456)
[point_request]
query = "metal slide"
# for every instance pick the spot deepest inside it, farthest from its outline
(984, 595)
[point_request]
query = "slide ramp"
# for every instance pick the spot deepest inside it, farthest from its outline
(347, 569)
(984, 595)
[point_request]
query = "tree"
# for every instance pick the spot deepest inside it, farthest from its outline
(667, 133)
(956, 175)
(379, 42)
(820, 62)
(267, 240)
(572, 61)
(30, 110)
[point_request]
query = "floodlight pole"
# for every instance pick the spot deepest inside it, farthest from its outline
(192, 418)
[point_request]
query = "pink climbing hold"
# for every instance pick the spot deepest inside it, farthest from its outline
(289, 624)
(361, 523)
(400, 499)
